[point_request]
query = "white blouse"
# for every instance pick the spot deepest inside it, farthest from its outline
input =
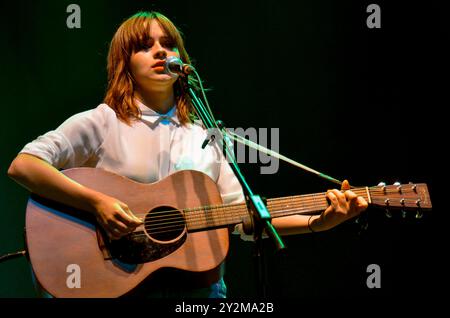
(147, 151)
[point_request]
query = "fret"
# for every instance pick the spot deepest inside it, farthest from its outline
(226, 215)
(214, 216)
(314, 199)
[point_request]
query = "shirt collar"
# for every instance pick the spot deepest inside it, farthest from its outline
(154, 118)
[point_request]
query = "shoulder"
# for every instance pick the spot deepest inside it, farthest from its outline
(105, 109)
(196, 127)
(199, 123)
(96, 120)
(101, 111)
(97, 115)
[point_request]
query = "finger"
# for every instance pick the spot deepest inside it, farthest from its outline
(350, 196)
(118, 225)
(333, 199)
(137, 220)
(345, 185)
(362, 203)
(128, 217)
(114, 237)
(113, 234)
(352, 202)
(109, 229)
(340, 196)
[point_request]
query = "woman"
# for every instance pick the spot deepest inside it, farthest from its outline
(144, 131)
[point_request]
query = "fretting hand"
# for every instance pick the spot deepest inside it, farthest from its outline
(344, 205)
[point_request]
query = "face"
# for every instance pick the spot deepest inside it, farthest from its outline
(147, 65)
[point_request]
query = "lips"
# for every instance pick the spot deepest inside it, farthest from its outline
(159, 64)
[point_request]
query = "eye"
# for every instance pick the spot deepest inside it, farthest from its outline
(145, 47)
(168, 44)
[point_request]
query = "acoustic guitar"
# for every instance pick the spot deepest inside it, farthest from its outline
(185, 228)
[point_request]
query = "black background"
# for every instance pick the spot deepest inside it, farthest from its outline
(357, 103)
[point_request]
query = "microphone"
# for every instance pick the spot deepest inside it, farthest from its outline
(174, 66)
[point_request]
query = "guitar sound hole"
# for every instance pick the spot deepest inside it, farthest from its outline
(164, 223)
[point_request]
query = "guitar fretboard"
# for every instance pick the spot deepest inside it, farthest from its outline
(226, 215)
(405, 197)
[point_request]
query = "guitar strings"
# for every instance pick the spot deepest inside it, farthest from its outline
(285, 204)
(180, 225)
(217, 220)
(304, 201)
(304, 198)
(191, 213)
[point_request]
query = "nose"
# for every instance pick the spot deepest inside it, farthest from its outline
(160, 53)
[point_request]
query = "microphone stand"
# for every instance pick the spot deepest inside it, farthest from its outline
(259, 215)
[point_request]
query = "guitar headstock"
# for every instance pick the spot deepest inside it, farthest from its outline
(411, 196)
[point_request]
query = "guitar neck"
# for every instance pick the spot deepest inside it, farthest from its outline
(404, 197)
(210, 217)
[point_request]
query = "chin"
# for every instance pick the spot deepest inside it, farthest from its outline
(162, 80)
(164, 76)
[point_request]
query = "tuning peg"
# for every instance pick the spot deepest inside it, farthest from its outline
(388, 213)
(419, 214)
(404, 214)
(365, 225)
(383, 186)
(399, 186)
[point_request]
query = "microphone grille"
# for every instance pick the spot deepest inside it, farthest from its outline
(173, 66)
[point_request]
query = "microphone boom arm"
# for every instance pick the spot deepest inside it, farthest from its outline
(275, 154)
(257, 207)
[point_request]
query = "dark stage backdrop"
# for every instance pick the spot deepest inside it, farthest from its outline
(354, 102)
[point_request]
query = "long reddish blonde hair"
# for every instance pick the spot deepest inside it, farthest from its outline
(129, 38)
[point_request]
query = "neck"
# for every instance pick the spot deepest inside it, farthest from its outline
(160, 101)
(218, 216)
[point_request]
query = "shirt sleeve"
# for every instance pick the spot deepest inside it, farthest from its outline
(232, 192)
(227, 182)
(74, 142)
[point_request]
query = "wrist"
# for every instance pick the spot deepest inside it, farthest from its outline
(315, 223)
(94, 200)
(309, 224)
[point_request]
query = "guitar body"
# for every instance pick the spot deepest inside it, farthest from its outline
(66, 247)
